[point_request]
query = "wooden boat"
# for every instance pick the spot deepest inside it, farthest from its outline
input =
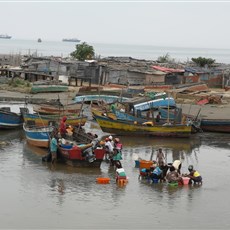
(123, 127)
(215, 125)
(73, 108)
(45, 120)
(10, 120)
(105, 98)
(38, 136)
(74, 155)
(48, 86)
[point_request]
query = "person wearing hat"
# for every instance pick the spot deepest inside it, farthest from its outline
(177, 165)
(194, 175)
(117, 154)
(111, 140)
(109, 149)
(173, 176)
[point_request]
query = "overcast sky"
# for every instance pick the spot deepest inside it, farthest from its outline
(182, 24)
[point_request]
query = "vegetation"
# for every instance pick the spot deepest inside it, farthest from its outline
(165, 59)
(202, 62)
(83, 52)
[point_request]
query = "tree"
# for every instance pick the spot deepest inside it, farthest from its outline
(201, 61)
(165, 59)
(83, 51)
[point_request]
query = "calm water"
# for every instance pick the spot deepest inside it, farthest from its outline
(59, 48)
(35, 195)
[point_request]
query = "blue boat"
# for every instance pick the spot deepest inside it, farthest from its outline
(11, 120)
(106, 98)
(215, 125)
(38, 136)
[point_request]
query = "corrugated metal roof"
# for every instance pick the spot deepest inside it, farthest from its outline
(168, 70)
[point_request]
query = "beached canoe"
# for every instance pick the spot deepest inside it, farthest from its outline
(73, 108)
(122, 127)
(9, 119)
(45, 120)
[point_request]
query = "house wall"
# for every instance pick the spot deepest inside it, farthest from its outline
(135, 78)
(116, 77)
(151, 79)
(173, 79)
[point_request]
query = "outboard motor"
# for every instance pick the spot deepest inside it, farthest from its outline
(89, 155)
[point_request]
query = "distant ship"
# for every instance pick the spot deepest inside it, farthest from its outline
(5, 36)
(39, 40)
(70, 40)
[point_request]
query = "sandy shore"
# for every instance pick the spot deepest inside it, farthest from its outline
(210, 111)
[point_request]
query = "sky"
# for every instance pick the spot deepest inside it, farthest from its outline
(203, 24)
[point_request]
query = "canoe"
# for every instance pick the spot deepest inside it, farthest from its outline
(45, 120)
(122, 127)
(48, 88)
(38, 136)
(73, 108)
(215, 125)
(9, 119)
(105, 98)
(74, 156)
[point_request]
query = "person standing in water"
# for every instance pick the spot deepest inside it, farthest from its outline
(160, 159)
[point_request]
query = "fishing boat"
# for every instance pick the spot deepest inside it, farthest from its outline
(215, 125)
(9, 119)
(80, 155)
(124, 127)
(102, 98)
(43, 88)
(45, 120)
(58, 109)
(71, 40)
(37, 135)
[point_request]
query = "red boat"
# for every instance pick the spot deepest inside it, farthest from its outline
(81, 156)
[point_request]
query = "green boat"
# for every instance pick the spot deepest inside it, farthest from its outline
(36, 88)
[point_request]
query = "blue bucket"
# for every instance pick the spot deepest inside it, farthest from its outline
(155, 181)
(137, 164)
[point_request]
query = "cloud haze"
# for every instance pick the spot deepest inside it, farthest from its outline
(181, 24)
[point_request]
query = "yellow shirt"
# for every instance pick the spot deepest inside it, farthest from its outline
(196, 174)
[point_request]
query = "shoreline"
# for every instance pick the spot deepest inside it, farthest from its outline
(208, 111)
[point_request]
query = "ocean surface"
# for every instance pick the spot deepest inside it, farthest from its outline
(147, 52)
(37, 195)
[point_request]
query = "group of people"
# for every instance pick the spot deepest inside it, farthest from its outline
(113, 151)
(160, 171)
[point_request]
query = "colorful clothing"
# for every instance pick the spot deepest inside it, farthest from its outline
(53, 145)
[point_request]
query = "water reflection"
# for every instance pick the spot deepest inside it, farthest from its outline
(34, 188)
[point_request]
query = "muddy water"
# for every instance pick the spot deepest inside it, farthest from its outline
(35, 195)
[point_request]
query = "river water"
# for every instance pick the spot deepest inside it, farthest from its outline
(35, 195)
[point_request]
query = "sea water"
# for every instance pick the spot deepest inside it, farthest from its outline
(147, 52)
(37, 195)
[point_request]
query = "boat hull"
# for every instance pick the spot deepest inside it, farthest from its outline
(73, 157)
(10, 120)
(38, 136)
(129, 128)
(45, 120)
(74, 108)
(212, 125)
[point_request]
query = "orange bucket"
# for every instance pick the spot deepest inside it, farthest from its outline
(103, 180)
(145, 164)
